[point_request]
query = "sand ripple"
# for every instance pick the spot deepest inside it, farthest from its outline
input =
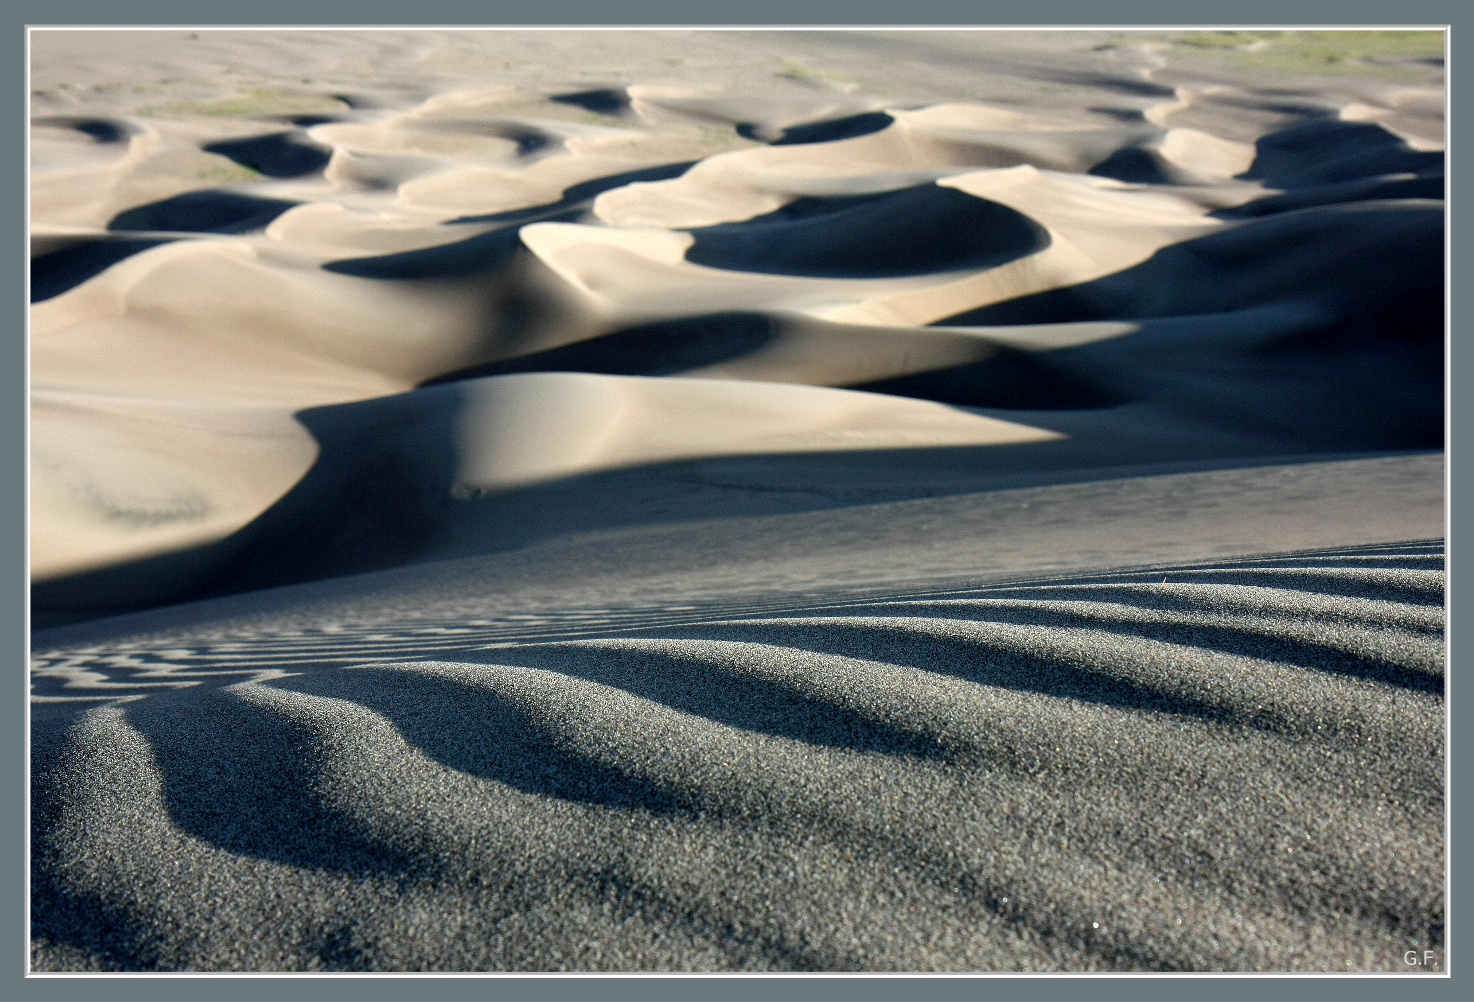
(1232, 765)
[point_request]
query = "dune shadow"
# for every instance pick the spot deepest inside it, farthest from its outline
(101, 130)
(389, 517)
(1009, 379)
(114, 936)
(281, 154)
(1134, 86)
(308, 121)
(1327, 162)
(1307, 580)
(529, 139)
(971, 659)
(913, 231)
(1328, 151)
(827, 131)
(474, 730)
(600, 100)
(1130, 116)
(210, 211)
(1136, 165)
(358, 102)
(1236, 641)
(1427, 186)
(60, 270)
(248, 780)
(734, 699)
(380, 495)
(1320, 162)
(658, 349)
(481, 254)
(1375, 265)
(1365, 363)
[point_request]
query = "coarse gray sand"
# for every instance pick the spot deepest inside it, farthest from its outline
(1230, 764)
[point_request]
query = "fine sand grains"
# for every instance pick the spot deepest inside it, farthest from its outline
(1224, 766)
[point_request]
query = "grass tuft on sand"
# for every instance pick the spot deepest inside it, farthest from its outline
(1377, 53)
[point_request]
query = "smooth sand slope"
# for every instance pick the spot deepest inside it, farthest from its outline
(679, 501)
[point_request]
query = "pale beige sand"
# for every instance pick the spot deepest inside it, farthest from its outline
(254, 318)
(647, 325)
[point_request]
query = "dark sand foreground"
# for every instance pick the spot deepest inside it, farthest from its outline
(602, 756)
(837, 501)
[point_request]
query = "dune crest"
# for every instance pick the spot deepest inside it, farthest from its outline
(516, 430)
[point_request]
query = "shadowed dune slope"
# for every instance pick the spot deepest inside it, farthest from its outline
(915, 231)
(280, 154)
(1328, 151)
(203, 212)
(60, 270)
(1305, 254)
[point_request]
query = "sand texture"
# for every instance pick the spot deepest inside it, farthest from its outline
(736, 501)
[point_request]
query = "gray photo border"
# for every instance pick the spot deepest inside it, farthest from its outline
(14, 948)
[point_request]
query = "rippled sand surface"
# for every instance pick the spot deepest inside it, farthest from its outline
(751, 501)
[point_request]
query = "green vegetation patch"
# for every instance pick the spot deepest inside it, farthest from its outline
(1391, 53)
(229, 173)
(599, 118)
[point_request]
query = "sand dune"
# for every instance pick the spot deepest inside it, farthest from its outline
(660, 500)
